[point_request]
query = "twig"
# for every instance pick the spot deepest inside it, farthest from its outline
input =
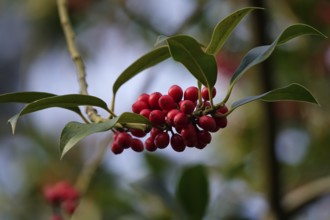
(75, 55)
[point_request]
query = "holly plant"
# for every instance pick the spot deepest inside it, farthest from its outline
(180, 118)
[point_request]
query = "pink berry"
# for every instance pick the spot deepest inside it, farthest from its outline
(137, 145)
(191, 93)
(176, 93)
(153, 100)
(177, 143)
(187, 106)
(207, 123)
(157, 117)
(138, 106)
(162, 140)
(166, 102)
(205, 93)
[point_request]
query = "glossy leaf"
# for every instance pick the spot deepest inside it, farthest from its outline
(261, 53)
(23, 97)
(150, 59)
(193, 191)
(70, 102)
(292, 92)
(188, 51)
(224, 28)
(74, 132)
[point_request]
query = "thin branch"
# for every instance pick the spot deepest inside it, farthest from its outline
(75, 55)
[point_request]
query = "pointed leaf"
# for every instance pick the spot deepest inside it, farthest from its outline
(224, 28)
(193, 191)
(74, 132)
(188, 51)
(292, 92)
(23, 97)
(150, 59)
(261, 53)
(70, 102)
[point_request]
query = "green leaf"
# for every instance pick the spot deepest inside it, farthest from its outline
(261, 53)
(292, 92)
(73, 132)
(70, 102)
(193, 191)
(150, 59)
(224, 28)
(188, 51)
(23, 97)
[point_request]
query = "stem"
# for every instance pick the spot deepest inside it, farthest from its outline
(75, 55)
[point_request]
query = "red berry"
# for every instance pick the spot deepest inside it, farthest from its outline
(137, 132)
(189, 135)
(187, 106)
(124, 140)
(145, 113)
(191, 93)
(205, 93)
(144, 97)
(200, 145)
(207, 123)
(166, 102)
(223, 110)
(180, 120)
(116, 148)
(138, 106)
(175, 92)
(177, 143)
(137, 145)
(204, 137)
(153, 100)
(51, 195)
(170, 116)
(69, 206)
(150, 145)
(154, 132)
(162, 140)
(221, 122)
(157, 117)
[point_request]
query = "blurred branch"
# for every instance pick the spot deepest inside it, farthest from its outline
(76, 57)
(306, 194)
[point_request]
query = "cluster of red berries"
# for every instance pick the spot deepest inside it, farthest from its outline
(61, 196)
(177, 113)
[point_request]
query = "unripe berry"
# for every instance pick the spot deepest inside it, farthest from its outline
(138, 106)
(207, 123)
(177, 143)
(144, 97)
(176, 93)
(137, 145)
(145, 113)
(166, 102)
(150, 145)
(153, 100)
(137, 132)
(191, 93)
(205, 93)
(187, 106)
(170, 116)
(157, 117)
(180, 120)
(162, 140)
(124, 139)
(116, 148)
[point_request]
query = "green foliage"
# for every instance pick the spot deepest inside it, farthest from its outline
(199, 61)
(193, 191)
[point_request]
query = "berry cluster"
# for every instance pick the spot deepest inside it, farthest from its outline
(177, 118)
(61, 196)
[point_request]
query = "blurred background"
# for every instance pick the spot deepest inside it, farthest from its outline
(271, 160)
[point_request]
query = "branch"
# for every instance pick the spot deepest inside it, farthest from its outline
(75, 55)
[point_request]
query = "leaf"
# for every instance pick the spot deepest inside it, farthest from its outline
(224, 28)
(23, 97)
(292, 92)
(70, 102)
(144, 62)
(188, 51)
(193, 191)
(261, 53)
(73, 132)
